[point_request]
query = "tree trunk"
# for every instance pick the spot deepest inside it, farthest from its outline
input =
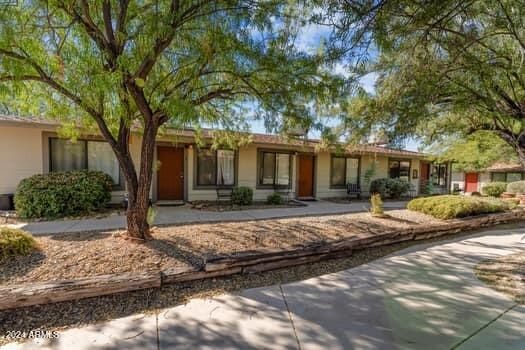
(139, 191)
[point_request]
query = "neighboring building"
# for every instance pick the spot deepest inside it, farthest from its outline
(469, 182)
(186, 172)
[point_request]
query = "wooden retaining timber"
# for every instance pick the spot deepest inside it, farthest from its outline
(51, 292)
(244, 262)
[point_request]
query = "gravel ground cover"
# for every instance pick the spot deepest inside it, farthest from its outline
(64, 315)
(506, 274)
(83, 254)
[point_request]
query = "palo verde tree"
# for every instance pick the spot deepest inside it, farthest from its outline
(138, 66)
(449, 67)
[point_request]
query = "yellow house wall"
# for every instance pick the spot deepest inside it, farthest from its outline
(21, 155)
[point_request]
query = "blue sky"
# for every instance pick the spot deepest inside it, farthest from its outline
(308, 40)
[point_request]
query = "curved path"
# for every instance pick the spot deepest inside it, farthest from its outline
(423, 297)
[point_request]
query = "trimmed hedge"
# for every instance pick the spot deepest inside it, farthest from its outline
(15, 242)
(516, 187)
(494, 189)
(392, 188)
(274, 199)
(449, 206)
(59, 194)
(242, 195)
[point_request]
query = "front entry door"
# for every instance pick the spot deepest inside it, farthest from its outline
(170, 175)
(424, 175)
(471, 182)
(306, 176)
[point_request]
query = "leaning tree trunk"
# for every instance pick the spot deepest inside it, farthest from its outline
(138, 227)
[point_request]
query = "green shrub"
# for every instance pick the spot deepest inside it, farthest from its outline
(59, 194)
(494, 189)
(376, 205)
(242, 195)
(392, 188)
(449, 206)
(15, 242)
(516, 187)
(274, 199)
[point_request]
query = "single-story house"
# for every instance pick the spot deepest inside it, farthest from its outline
(186, 172)
(469, 182)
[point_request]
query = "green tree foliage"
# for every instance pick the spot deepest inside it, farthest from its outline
(115, 66)
(473, 152)
(447, 67)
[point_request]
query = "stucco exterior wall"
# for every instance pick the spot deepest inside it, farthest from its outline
(458, 178)
(24, 152)
(246, 176)
(21, 155)
(483, 179)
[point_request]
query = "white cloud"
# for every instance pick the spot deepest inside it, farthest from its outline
(310, 36)
(368, 82)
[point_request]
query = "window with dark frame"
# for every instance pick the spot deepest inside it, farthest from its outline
(275, 169)
(399, 169)
(439, 174)
(507, 176)
(215, 167)
(65, 155)
(344, 170)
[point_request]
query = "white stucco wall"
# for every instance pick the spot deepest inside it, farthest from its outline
(247, 174)
(458, 178)
(21, 155)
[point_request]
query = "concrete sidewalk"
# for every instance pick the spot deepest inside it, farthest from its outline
(186, 215)
(424, 297)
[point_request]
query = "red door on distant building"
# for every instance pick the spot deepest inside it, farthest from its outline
(471, 182)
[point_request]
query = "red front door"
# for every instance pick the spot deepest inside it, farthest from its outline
(170, 176)
(471, 182)
(306, 176)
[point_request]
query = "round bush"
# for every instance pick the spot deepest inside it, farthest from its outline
(516, 187)
(60, 194)
(386, 187)
(379, 186)
(242, 195)
(15, 242)
(494, 189)
(274, 199)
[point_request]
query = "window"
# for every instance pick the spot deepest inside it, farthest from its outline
(511, 177)
(274, 169)
(439, 174)
(507, 177)
(399, 169)
(215, 168)
(499, 177)
(83, 154)
(344, 170)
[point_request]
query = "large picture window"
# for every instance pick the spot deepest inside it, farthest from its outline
(344, 170)
(507, 177)
(215, 168)
(399, 169)
(66, 155)
(274, 169)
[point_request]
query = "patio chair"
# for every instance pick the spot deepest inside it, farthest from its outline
(224, 193)
(353, 190)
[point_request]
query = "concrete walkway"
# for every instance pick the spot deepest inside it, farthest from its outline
(424, 297)
(185, 215)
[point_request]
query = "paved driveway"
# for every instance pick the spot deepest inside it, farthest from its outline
(424, 297)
